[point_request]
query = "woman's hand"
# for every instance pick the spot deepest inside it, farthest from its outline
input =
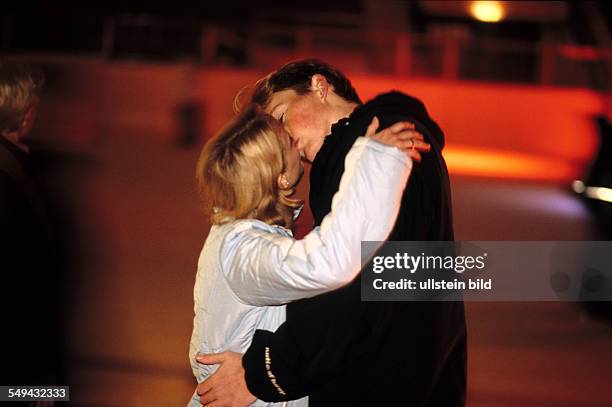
(402, 135)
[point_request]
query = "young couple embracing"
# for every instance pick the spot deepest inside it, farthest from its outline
(281, 321)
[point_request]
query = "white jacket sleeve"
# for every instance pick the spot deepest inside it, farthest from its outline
(265, 268)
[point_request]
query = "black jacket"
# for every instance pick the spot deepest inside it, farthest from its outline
(345, 352)
(28, 270)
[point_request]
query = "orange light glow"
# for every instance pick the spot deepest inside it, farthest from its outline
(491, 163)
(487, 11)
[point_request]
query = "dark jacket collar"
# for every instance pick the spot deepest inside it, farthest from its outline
(400, 104)
(386, 106)
(12, 148)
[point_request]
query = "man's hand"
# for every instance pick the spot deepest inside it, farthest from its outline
(402, 135)
(226, 387)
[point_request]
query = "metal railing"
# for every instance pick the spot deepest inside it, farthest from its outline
(448, 57)
(415, 55)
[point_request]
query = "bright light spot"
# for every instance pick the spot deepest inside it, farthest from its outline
(601, 193)
(487, 11)
(578, 186)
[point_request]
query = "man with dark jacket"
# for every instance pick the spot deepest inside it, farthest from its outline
(335, 348)
(27, 252)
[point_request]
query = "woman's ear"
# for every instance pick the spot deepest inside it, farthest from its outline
(319, 84)
(283, 182)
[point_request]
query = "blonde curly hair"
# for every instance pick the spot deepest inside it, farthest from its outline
(237, 172)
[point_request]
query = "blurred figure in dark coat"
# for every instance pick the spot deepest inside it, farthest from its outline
(28, 260)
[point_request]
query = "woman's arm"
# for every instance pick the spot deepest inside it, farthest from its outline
(269, 269)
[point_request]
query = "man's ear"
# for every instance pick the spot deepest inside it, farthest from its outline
(27, 122)
(319, 84)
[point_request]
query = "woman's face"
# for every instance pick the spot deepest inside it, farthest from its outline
(294, 168)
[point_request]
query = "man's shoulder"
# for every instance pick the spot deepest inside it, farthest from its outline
(394, 97)
(11, 195)
(396, 103)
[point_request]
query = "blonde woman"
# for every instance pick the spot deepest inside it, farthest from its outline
(250, 264)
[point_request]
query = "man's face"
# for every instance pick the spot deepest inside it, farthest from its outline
(304, 117)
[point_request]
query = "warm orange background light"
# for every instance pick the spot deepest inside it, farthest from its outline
(492, 129)
(491, 163)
